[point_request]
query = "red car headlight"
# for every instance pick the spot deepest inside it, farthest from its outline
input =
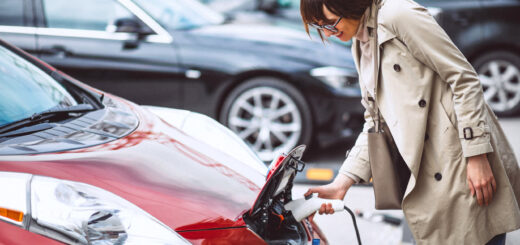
(73, 212)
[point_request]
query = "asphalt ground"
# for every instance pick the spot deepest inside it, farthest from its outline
(323, 164)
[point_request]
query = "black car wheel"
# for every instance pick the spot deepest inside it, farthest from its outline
(269, 114)
(499, 74)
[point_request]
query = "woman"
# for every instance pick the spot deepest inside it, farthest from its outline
(465, 181)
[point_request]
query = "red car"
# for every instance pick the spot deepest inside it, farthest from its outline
(80, 166)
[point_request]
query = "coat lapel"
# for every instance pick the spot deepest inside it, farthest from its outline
(409, 140)
(356, 53)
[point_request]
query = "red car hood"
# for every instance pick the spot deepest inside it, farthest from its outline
(183, 182)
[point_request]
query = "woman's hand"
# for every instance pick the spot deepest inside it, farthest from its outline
(335, 190)
(480, 179)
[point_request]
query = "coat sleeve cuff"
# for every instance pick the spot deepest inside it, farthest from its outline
(470, 150)
(356, 164)
(469, 131)
(475, 139)
(352, 176)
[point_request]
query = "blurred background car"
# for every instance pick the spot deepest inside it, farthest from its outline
(270, 84)
(486, 31)
(85, 167)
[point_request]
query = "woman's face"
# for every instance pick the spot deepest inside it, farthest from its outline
(346, 27)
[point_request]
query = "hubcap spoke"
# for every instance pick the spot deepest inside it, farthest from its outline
(510, 73)
(246, 133)
(239, 122)
(502, 97)
(495, 70)
(258, 100)
(282, 111)
(268, 144)
(258, 144)
(246, 106)
(275, 101)
(490, 93)
(293, 127)
(486, 81)
(279, 135)
(512, 88)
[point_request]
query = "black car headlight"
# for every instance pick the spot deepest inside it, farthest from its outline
(336, 77)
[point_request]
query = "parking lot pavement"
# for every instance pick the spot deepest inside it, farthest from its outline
(338, 227)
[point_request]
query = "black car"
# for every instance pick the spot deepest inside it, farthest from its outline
(486, 31)
(271, 85)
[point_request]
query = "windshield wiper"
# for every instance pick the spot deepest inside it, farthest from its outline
(36, 117)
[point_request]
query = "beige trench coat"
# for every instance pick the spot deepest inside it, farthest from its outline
(428, 93)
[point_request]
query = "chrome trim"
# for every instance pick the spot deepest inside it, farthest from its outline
(18, 29)
(65, 32)
(193, 74)
(161, 36)
(28, 213)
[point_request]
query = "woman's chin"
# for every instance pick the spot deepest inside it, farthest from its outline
(345, 38)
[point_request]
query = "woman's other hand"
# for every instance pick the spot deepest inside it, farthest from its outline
(335, 190)
(480, 179)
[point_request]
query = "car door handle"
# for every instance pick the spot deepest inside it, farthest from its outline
(59, 51)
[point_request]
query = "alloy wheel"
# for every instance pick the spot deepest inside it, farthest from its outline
(267, 119)
(501, 84)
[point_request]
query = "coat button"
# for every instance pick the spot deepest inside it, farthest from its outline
(438, 176)
(422, 103)
(397, 68)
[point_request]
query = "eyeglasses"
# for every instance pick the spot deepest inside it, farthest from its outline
(331, 28)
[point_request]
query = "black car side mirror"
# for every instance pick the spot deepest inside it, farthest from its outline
(268, 6)
(131, 25)
(134, 26)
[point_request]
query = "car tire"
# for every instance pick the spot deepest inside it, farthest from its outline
(269, 114)
(499, 73)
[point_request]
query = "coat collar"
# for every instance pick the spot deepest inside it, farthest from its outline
(383, 34)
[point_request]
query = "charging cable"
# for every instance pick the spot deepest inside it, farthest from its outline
(355, 224)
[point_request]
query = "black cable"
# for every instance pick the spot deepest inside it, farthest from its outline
(355, 224)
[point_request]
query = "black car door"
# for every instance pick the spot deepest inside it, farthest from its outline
(502, 20)
(82, 39)
(17, 24)
(461, 19)
(498, 62)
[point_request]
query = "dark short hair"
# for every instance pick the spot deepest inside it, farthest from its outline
(312, 10)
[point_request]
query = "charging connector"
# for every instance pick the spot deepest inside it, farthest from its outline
(303, 207)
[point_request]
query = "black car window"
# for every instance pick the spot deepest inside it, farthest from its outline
(26, 90)
(98, 15)
(11, 13)
(180, 14)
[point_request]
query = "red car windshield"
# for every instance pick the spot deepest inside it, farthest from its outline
(26, 90)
